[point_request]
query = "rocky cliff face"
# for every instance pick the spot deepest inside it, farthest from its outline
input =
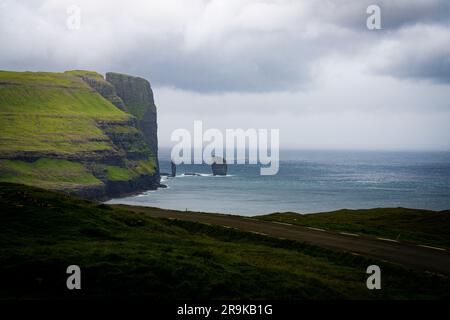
(132, 95)
(106, 89)
(78, 133)
(137, 95)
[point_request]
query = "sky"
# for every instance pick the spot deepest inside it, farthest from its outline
(311, 69)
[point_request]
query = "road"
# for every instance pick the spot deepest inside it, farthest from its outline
(406, 254)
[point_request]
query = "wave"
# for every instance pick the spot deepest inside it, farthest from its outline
(197, 174)
(144, 194)
(148, 192)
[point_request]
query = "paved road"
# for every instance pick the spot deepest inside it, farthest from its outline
(409, 255)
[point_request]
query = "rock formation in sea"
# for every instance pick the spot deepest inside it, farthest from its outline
(219, 166)
(174, 169)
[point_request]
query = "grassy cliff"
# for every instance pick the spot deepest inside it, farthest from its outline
(70, 131)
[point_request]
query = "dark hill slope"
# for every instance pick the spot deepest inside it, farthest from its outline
(129, 254)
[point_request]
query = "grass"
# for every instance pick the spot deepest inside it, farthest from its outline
(137, 109)
(126, 254)
(121, 129)
(47, 173)
(86, 73)
(57, 174)
(52, 112)
(119, 174)
(134, 169)
(412, 225)
(40, 78)
(146, 166)
(136, 144)
(41, 98)
(50, 134)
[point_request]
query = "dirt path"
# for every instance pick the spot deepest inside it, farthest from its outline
(408, 255)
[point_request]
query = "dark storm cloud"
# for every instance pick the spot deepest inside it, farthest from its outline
(436, 68)
(395, 13)
(227, 45)
(420, 52)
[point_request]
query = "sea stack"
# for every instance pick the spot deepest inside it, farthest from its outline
(174, 169)
(219, 166)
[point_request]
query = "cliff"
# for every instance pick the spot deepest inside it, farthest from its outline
(137, 95)
(74, 132)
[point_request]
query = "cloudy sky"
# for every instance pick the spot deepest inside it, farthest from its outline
(310, 68)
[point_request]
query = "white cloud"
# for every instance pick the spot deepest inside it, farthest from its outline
(308, 67)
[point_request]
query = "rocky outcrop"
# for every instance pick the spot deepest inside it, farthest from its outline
(137, 95)
(106, 89)
(219, 166)
(132, 186)
(173, 169)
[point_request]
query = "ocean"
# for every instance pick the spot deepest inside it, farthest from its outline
(308, 182)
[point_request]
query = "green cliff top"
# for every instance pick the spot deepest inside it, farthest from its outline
(52, 112)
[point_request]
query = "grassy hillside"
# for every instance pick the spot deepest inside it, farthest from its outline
(52, 112)
(66, 132)
(126, 254)
(413, 225)
(47, 173)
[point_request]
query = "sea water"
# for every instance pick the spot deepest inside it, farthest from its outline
(308, 182)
